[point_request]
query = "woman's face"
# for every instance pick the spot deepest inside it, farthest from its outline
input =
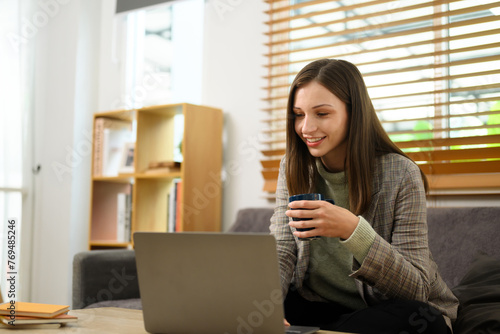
(321, 121)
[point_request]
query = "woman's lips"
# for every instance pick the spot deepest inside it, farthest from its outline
(313, 142)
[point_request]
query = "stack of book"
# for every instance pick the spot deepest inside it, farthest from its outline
(22, 315)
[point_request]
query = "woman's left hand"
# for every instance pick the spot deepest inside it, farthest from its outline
(328, 220)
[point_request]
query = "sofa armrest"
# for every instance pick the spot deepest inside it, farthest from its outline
(104, 275)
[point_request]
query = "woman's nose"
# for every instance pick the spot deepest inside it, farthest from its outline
(308, 125)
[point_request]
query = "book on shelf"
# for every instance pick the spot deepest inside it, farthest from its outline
(33, 309)
(124, 215)
(128, 216)
(173, 199)
(120, 216)
(178, 201)
(110, 137)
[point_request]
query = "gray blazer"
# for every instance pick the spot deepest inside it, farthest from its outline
(399, 264)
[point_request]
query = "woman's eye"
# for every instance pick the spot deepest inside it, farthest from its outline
(322, 114)
(299, 115)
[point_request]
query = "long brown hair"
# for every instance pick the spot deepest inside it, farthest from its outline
(366, 138)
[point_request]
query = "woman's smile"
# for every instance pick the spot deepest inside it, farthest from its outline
(314, 142)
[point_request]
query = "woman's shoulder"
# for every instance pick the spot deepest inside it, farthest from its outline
(396, 160)
(394, 164)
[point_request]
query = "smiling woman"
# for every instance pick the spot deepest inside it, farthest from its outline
(367, 268)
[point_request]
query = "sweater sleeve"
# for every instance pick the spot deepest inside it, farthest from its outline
(361, 240)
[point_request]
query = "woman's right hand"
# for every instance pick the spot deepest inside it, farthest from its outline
(286, 323)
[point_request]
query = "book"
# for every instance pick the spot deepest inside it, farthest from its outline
(110, 136)
(121, 208)
(172, 206)
(23, 320)
(128, 216)
(124, 214)
(178, 202)
(33, 309)
(32, 326)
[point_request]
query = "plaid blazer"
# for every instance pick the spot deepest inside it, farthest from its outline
(399, 264)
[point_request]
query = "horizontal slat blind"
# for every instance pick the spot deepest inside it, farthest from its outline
(432, 69)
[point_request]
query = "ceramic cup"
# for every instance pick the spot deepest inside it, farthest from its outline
(308, 197)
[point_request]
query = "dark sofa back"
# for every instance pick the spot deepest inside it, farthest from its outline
(457, 235)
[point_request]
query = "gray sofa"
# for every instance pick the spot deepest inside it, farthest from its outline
(457, 236)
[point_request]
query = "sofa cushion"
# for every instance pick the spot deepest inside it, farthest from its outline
(479, 296)
(456, 235)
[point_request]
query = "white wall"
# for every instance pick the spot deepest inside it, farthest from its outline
(232, 80)
(65, 98)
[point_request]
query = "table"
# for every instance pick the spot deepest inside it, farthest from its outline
(105, 320)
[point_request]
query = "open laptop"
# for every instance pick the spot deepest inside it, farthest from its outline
(210, 283)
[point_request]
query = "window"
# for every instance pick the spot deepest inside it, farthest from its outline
(432, 69)
(163, 47)
(163, 54)
(12, 148)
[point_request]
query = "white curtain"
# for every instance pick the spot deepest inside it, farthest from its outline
(16, 96)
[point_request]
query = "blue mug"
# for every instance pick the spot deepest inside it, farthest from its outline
(307, 197)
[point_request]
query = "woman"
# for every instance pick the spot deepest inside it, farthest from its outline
(371, 270)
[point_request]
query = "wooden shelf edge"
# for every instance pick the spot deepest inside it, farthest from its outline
(126, 178)
(127, 114)
(121, 178)
(158, 176)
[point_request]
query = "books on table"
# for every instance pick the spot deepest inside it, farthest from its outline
(34, 315)
(23, 320)
(33, 309)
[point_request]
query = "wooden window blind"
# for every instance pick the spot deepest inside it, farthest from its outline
(432, 69)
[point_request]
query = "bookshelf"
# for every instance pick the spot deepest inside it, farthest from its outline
(154, 129)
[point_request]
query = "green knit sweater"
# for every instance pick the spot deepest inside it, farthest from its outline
(331, 258)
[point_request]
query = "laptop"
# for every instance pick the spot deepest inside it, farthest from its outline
(216, 283)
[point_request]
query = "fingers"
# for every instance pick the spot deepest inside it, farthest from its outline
(286, 323)
(305, 204)
(307, 234)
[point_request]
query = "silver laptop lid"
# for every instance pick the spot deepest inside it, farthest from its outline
(209, 283)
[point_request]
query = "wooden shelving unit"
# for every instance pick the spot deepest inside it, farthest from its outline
(200, 172)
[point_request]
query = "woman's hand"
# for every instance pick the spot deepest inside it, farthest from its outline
(328, 220)
(287, 323)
